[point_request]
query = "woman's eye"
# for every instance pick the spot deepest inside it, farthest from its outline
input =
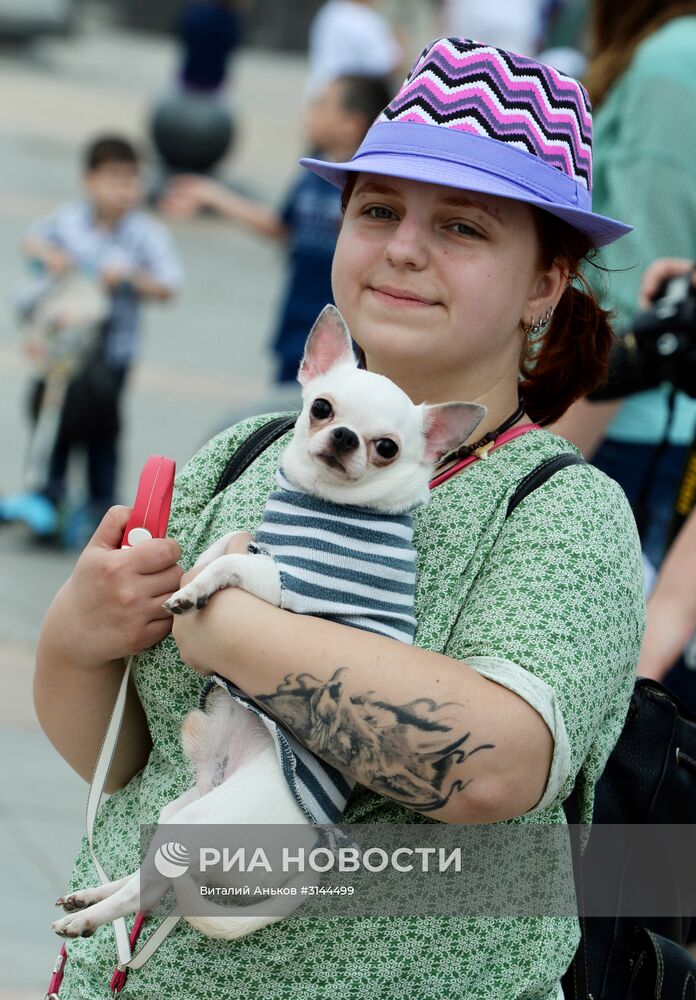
(380, 212)
(386, 448)
(464, 229)
(321, 409)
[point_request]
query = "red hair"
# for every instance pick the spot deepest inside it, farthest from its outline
(571, 357)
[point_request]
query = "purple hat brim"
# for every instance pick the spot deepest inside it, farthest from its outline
(463, 160)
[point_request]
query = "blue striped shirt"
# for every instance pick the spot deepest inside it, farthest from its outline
(136, 243)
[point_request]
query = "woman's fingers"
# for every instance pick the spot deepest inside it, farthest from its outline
(657, 273)
(155, 555)
(155, 631)
(109, 531)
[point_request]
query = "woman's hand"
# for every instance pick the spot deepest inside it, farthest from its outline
(111, 606)
(659, 272)
(191, 632)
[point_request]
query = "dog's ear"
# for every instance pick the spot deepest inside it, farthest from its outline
(447, 425)
(328, 344)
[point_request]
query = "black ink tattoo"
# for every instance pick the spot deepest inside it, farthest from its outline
(405, 752)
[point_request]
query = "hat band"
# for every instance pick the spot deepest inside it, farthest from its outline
(522, 169)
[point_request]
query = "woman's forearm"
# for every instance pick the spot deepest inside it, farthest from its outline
(74, 706)
(109, 608)
(671, 619)
(415, 726)
(669, 628)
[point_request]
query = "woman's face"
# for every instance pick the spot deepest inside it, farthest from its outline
(434, 281)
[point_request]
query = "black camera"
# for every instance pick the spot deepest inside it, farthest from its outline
(660, 348)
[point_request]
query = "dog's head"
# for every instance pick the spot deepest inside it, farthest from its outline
(359, 439)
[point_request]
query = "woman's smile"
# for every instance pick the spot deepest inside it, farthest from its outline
(401, 298)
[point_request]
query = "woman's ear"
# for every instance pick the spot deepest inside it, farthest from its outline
(546, 294)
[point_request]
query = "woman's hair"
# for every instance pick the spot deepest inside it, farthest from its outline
(618, 28)
(571, 357)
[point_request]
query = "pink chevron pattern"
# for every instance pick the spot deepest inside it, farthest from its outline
(461, 84)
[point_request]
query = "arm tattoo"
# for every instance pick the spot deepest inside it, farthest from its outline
(405, 752)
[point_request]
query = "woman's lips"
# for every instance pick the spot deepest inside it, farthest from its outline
(400, 297)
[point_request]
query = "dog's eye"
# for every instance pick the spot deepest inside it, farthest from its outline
(386, 448)
(321, 409)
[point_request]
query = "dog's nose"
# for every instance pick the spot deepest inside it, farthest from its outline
(344, 439)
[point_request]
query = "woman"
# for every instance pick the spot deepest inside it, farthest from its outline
(464, 225)
(642, 83)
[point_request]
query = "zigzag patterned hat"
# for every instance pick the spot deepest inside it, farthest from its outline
(478, 118)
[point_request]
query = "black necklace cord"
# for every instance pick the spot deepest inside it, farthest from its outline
(465, 450)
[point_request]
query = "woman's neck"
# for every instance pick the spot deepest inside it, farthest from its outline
(500, 396)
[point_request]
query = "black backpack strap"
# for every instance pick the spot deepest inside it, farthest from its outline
(576, 979)
(537, 477)
(250, 449)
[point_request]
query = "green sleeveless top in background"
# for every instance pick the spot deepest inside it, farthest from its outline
(549, 603)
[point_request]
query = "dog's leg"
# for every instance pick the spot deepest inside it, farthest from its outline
(169, 812)
(257, 574)
(122, 895)
(119, 904)
(216, 550)
(82, 898)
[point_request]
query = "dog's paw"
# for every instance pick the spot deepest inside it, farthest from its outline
(177, 604)
(186, 599)
(78, 900)
(74, 925)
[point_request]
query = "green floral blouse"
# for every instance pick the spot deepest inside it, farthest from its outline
(548, 602)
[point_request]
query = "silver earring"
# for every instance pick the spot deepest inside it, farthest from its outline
(538, 325)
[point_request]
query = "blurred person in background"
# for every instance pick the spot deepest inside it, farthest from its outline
(669, 650)
(642, 82)
(513, 26)
(308, 221)
(210, 32)
(563, 38)
(105, 234)
(350, 37)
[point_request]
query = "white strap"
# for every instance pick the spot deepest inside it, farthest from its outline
(96, 790)
(163, 930)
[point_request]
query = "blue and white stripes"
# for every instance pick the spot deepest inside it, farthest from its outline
(354, 565)
(319, 789)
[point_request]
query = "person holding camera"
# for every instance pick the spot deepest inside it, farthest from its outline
(642, 83)
(671, 611)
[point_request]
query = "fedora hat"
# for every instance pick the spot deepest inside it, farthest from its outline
(476, 117)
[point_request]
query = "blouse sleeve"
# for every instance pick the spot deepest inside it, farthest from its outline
(557, 613)
(195, 484)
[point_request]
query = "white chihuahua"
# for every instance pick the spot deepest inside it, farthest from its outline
(359, 462)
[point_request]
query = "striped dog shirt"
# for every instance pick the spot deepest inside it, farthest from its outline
(353, 565)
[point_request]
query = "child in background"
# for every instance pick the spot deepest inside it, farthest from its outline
(104, 233)
(309, 219)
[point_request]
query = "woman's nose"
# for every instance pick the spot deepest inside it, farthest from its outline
(408, 245)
